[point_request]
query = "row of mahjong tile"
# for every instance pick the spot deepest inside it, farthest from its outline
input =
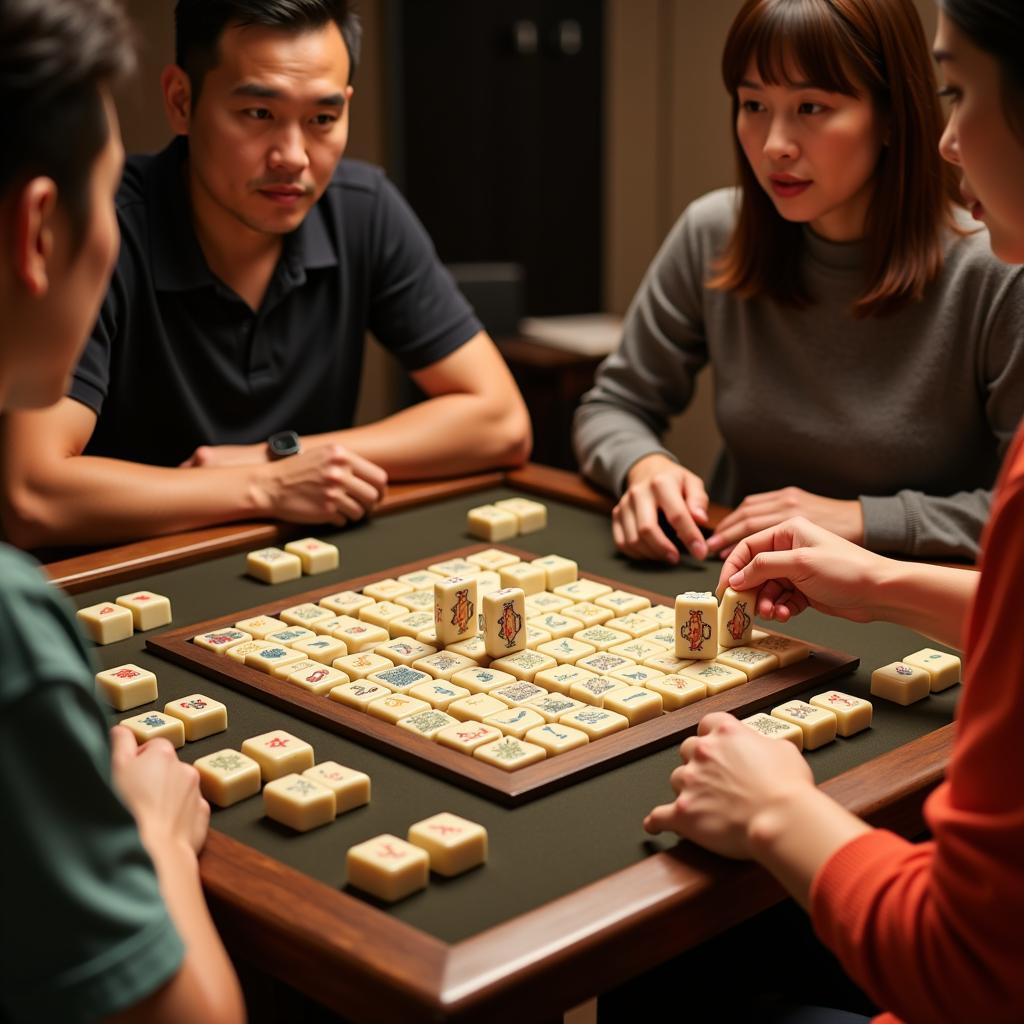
(812, 724)
(308, 555)
(506, 519)
(111, 621)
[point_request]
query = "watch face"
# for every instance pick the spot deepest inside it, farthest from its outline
(284, 443)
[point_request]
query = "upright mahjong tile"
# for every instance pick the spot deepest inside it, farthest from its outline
(696, 625)
(736, 617)
(505, 623)
(456, 609)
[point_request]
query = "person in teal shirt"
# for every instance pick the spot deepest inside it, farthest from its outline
(103, 913)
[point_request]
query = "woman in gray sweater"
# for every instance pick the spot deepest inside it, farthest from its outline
(867, 348)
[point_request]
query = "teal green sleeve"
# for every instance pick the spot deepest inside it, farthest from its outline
(85, 931)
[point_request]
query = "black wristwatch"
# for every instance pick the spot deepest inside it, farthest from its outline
(283, 443)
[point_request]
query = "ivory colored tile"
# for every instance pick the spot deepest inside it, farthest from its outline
(351, 788)
(524, 665)
(556, 625)
(622, 602)
(454, 845)
(346, 602)
(289, 635)
(388, 589)
(532, 515)
(736, 617)
(307, 615)
(225, 777)
(322, 648)
(269, 658)
(504, 613)
(603, 662)
(664, 637)
(593, 691)
(527, 577)
(677, 691)
(444, 664)
(668, 663)
(361, 636)
(556, 738)
(404, 650)
(427, 636)
(153, 724)
(751, 661)
(637, 650)
(331, 627)
(421, 579)
(427, 723)
(476, 707)
(319, 679)
(515, 721)
(818, 724)
(126, 687)
(418, 600)
(202, 716)
(387, 867)
(492, 559)
(635, 703)
(635, 675)
(299, 802)
(382, 614)
(636, 624)
(438, 693)
(148, 610)
(758, 634)
(414, 623)
(106, 623)
(853, 714)
(221, 640)
(595, 722)
(239, 652)
(786, 649)
(663, 614)
(589, 614)
(901, 683)
(487, 582)
(545, 602)
(566, 651)
(474, 648)
(456, 609)
(601, 638)
(395, 706)
(518, 692)
(316, 555)
(454, 567)
(359, 666)
(535, 637)
(696, 626)
(284, 671)
(400, 678)
(714, 676)
(358, 694)
(272, 565)
(278, 753)
(583, 590)
(944, 669)
(775, 729)
(510, 753)
(561, 678)
(490, 523)
(259, 627)
(551, 706)
(558, 571)
(467, 736)
(481, 680)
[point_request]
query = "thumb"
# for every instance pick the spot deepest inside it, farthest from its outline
(123, 745)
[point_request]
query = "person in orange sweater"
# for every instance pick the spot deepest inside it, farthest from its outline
(932, 931)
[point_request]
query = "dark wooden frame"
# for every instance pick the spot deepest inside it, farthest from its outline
(367, 966)
(508, 788)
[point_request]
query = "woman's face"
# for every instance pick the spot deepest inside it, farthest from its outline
(814, 152)
(979, 140)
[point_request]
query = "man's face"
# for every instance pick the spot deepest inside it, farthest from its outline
(271, 124)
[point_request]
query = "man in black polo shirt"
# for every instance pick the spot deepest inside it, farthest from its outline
(252, 263)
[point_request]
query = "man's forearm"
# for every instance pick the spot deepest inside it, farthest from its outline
(441, 436)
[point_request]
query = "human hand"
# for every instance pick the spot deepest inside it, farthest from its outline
(327, 484)
(799, 564)
(161, 792)
(729, 775)
(761, 511)
(657, 483)
(217, 455)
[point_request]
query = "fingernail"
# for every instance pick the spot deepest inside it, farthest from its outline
(736, 579)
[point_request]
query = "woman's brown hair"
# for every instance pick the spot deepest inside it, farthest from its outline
(873, 48)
